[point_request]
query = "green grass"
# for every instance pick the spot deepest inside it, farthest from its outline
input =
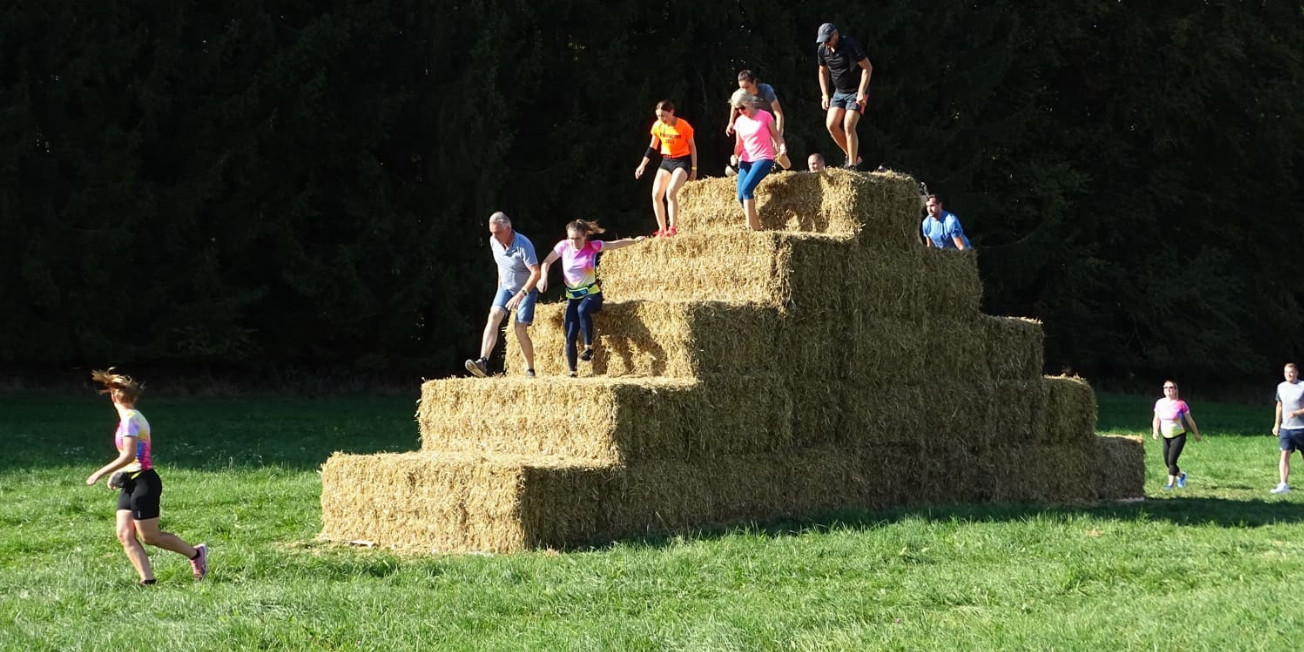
(1216, 566)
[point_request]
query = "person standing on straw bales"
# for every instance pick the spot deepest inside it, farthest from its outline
(941, 228)
(1172, 418)
(768, 99)
(674, 136)
(815, 162)
(755, 140)
(841, 58)
(138, 483)
(1288, 424)
(579, 270)
(518, 271)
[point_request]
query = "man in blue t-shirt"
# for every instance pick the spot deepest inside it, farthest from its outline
(518, 272)
(842, 60)
(942, 228)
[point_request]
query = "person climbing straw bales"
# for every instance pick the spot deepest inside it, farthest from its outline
(843, 60)
(673, 136)
(518, 271)
(941, 228)
(768, 99)
(579, 270)
(756, 142)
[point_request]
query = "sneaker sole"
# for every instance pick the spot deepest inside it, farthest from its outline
(475, 369)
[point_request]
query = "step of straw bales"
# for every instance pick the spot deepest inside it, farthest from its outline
(794, 272)
(446, 502)
(607, 420)
(1119, 469)
(882, 210)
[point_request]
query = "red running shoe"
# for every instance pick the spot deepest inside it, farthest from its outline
(672, 232)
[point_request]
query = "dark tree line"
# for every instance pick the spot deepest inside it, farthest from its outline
(255, 186)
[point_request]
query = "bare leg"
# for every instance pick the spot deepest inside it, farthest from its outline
(753, 218)
(853, 139)
(834, 123)
(490, 337)
(527, 346)
(131, 545)
(149, 533)
(1284, 467)
(677, 180)
(659, 186)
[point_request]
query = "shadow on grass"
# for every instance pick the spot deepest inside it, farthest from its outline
(1218, 512)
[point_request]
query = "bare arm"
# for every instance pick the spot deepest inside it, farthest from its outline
(824, 86)
(959, 243)
(692, 150)
(656, 143)
(733, 115)
(525, 289)
(1276, 422)
(542, 285)
(866, 71)
(776, 135)
(777, 109)
(125, 457)
(1190, 421)
(621, 244)
(1154, 427)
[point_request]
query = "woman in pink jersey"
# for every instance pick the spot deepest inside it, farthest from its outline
(1172, 417)
(133, 472)
(579, 269)
(755, 141)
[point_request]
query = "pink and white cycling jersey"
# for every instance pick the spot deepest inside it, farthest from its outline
(133, 424)
(579, 267)
(1170, 413)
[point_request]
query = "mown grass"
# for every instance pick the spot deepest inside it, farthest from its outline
(1215, 566)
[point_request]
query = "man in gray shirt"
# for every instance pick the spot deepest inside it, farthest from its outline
(518, 272)
(1288, 425)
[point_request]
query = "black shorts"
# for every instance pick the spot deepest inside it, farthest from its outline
(684, 163)
(140, 495)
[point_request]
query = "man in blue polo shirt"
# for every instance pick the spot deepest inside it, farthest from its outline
(518, 272)
(942, 228)
(842, 59)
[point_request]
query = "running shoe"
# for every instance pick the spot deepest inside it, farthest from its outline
(1168, 487)
(529, 373)
(1281, 488)
(587, 354)
(660, 233)
(478, 368)
(199, 565)
(1181, 480)
(672, 231)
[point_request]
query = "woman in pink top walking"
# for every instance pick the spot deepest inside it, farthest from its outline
(579, 269)
(755, 140)
(1172, 416)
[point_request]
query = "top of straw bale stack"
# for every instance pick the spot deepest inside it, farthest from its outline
(882, 208)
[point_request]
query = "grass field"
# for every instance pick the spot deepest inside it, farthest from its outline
(1215, 566)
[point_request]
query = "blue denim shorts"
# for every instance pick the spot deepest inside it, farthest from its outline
(1291, 439)
(524, 309)
(846, 101)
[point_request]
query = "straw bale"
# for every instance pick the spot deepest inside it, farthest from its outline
(673, 340)
(736, 267)
(1070, 409)
(456, 503)
(609, 420)
(1018, 412)
(1013, 347)
(883, 209)
(949, 282)
(1120, 470)
(1040, 473)
(891, 349)
(885, 284)
(950, 471)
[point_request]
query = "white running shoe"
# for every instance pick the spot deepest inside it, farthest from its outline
(1281, 488)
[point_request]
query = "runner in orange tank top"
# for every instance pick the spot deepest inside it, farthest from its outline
(673, 136)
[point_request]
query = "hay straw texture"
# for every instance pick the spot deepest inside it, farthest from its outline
(829, 362)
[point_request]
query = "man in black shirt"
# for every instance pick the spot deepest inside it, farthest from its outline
(842, 58)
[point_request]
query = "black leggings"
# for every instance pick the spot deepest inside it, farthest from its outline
(1172, 451)
(579, 317)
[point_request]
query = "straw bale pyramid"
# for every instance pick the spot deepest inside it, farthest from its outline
(827, 362)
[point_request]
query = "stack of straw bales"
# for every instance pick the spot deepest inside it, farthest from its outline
(828, 362)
